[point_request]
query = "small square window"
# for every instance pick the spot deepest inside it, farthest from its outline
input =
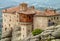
(54, 17)
(17, 15)
(23, 28)
(9, 24)
(18, 29)
(18, 34)
(51, 18)
(23, 35)
(17, 20)
(10, 19)
(5, 29)
(57, 18)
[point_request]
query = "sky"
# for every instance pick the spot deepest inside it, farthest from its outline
(37, 3)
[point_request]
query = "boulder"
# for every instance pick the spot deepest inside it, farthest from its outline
(56, 33)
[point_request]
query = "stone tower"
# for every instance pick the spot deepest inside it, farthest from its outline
(23, 7)
(26, 20)
(25, 24)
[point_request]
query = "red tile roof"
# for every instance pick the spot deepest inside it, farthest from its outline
(11, 10)
(47, 12)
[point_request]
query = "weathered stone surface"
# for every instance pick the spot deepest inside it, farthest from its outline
(56, 33)
(51, 32)
(17, 29)
(55, 40)
(16, 34)
(6, 39)
(7, 33)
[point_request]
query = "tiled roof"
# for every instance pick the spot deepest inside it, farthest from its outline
(17, 9)
(11, 10)
(47, 12)
(28, 11)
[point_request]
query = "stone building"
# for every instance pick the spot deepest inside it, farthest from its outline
(27, 19)
(46, 18)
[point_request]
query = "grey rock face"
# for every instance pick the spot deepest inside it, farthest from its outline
(15, 35)
(56, 33)
(51, 32)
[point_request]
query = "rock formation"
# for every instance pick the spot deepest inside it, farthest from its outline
(14, 35)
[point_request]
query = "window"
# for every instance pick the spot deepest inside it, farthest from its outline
(51, 18)
(18, 34)
(23, 35)
(9, 25)
(23, 28)
(17, 20)
(17, 15)
(10, 19)
(50, 23)
(57, 18)
(24, 16)
(28, 30)
(29, 17)
(5, 29)
(54, 18)
(18, 29)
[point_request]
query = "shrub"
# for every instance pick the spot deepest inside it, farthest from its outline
(37, 31)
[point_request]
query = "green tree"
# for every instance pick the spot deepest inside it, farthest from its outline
(37, 31)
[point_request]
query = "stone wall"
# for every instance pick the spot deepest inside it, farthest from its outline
(16, 34)
(40, 22)
(7, 35)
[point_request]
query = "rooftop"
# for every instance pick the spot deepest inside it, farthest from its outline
(23, 8)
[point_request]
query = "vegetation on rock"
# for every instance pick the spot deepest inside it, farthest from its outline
(37, 31)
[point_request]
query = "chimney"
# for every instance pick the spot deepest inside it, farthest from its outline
(50, 11)
(4, 10)
(23, 7)
(32, 7)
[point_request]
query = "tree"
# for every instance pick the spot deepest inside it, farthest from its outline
(37, 31)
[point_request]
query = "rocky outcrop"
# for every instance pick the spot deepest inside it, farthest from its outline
(52, 32)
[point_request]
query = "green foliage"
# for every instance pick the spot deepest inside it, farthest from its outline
(48, 39)
(37, 31)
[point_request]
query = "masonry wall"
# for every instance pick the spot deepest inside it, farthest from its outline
(9, 21)
(40, 22)
(21, 31)
(26, 29)
(55, 19)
